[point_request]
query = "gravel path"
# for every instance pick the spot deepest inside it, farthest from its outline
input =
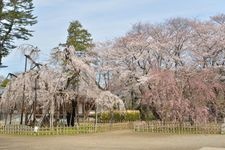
(117, 140)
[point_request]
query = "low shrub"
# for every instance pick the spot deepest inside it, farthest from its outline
(119, 116)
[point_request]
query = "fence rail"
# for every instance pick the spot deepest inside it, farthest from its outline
(63, 130)
(176, 128)
(83, 128)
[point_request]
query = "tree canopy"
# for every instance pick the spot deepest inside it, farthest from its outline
(173, 69)
(71, 83)
(78, 37)
(15, 18)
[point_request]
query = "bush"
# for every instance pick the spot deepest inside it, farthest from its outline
(119, 116)
(147, 116)
(132, 115)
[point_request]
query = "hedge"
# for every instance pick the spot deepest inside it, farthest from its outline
(119, 116)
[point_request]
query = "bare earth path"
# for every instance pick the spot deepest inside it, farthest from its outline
(117, 140)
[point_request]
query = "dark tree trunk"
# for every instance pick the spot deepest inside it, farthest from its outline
(73, 113)
(35, 101)
(77, 112)
(10, 117)
(26, 118)
(146, 112)
(70, 116)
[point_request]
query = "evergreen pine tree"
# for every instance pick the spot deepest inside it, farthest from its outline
(78, 37)
(15, 17)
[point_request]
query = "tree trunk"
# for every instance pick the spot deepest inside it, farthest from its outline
(52, 110)
(6, 117)
(73, 115)
(96, 117)
(70, 116)
(35, 102)
(23, 100)
(77, 112)
(22, 109)
(10, 117)
(84, 110)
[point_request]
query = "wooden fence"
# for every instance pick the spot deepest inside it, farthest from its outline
(83, 128)
(176, 128)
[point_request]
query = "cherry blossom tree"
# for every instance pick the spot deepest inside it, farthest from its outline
(173, 69)
(184, 96)
(208, 43)
(54, 92)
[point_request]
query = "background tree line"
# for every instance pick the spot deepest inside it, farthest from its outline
(173, 70)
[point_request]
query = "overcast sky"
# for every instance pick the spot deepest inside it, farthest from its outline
(104, 19)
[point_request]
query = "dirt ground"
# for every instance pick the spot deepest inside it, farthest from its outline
(116, 140)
